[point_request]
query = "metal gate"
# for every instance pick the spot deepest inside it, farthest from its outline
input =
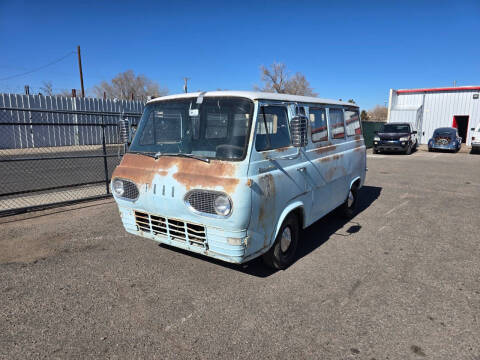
(54, 157)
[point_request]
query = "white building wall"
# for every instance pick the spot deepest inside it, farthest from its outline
(439, 108)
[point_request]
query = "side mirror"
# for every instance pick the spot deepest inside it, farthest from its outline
(124, 131)
(298, 131)
(414, 132)
(473, 129)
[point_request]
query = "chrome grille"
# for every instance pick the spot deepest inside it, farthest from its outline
(172, 228)
(202, 201)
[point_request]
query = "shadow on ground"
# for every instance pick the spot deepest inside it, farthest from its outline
(311, 238)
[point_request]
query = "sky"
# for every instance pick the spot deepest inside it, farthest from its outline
(346, 49)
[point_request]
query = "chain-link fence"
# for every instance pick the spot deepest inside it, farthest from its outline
(52, 157)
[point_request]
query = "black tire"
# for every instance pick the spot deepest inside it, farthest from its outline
(348, 208)
(430, 150)
(375, 151)
(409, 150)
(277, 257)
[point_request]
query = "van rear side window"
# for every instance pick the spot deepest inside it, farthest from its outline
(318, 124)
(352, 122)
(337, 128)
(272, 129)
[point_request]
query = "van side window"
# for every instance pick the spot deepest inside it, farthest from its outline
(352, 122)
(318, 124)
(276, 134)
(337, 128)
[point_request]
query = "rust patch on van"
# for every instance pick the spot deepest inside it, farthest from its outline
(190, 181)
(266, 212)
(188, 172)
(358, 137)
(331, 158)
(358, 148)
(324, 149)
(282, 149)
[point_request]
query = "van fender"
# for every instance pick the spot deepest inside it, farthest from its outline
(355, 179)
(284, 214)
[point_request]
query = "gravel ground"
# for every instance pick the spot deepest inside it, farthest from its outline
(399, 281)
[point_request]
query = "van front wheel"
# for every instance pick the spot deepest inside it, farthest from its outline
(282, 253)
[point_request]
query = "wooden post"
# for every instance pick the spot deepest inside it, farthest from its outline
(80, 68)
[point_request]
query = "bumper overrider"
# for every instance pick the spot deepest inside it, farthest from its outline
(159, 210)
(390, 145)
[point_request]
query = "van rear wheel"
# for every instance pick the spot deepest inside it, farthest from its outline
(350, 205)
(282, 253)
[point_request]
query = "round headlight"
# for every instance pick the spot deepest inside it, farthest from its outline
(222, 205)
(117, 187)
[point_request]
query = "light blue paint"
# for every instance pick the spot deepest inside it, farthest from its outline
(269, 188)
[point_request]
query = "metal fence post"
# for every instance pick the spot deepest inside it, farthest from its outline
(104, 145)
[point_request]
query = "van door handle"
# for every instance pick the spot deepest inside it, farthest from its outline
(302, 169)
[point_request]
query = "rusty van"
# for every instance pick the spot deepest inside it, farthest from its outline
(235, 175)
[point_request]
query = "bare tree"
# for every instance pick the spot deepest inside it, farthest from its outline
(378, 113)
(126, 84)
(277, 79)
(47, 88)
(364, 115)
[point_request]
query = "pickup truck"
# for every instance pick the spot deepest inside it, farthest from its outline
(395, 137)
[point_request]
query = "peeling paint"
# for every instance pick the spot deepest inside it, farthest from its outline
(188, 172)
(324, 149)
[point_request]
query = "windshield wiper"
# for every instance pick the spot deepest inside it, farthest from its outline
(158, 154)
(150, 154)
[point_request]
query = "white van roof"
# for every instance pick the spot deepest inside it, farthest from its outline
(253, 95)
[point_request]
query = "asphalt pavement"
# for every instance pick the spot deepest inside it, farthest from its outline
(398, 281)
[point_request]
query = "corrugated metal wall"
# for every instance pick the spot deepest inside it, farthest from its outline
(439, 108)
(16, 137)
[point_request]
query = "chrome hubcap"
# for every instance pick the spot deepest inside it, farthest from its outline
(350, 199)
(286, 239)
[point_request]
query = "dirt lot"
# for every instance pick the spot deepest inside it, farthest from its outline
(399, 281)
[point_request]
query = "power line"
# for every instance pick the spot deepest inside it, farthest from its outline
(39, 68)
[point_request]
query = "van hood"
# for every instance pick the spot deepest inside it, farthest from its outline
(188, 173)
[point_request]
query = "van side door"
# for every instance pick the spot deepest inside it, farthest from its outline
(278, 178)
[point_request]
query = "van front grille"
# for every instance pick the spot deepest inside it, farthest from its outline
(171, 228)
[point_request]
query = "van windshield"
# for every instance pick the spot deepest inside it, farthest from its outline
(218, 128)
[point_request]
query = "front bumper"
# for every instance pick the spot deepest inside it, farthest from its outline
(229, 246)
(390, 145)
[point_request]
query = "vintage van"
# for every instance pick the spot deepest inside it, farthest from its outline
(234, 175)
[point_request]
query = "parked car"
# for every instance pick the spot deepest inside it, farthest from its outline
(236, 175)
(476, 139)
(399, 137)
(445, 139)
